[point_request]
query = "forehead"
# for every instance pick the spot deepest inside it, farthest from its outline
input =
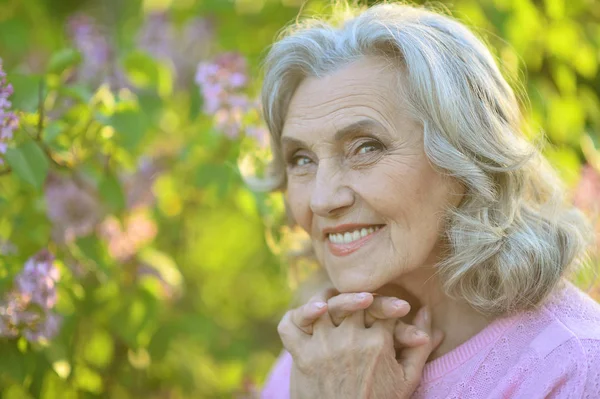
(368, 88)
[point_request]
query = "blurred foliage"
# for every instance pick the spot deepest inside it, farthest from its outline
(172, 271)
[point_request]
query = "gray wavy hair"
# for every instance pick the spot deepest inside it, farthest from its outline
(513, 236)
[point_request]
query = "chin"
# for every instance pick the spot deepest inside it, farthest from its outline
(356, 282)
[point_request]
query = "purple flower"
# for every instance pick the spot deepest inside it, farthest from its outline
(36, 282)
(157, 36)
(11, 314)
(98, 65)
(44, 329)
(8, 119)
(220, 80)
(26, 309)
(183, 47)
(72, 207)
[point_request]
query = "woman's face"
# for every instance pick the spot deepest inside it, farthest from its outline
(358, 179)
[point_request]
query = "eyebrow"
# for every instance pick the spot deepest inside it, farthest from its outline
(341, 134)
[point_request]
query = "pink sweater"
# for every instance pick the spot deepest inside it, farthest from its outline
(550, 352)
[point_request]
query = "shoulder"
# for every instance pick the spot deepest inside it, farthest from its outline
(569, 344)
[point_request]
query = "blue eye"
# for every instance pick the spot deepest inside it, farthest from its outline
(368, 147)
(300, 161)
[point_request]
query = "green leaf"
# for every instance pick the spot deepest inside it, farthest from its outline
(26, 91)
(221, 176)
(81, 93)
(52, 131)
(94, 250)
(130, 126)
(151, 106)
(141, 69)
(63, 59)
(195, 102)
(163, 264)
(112, 193)
(29, 163)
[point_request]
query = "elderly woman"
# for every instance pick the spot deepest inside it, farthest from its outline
(442, 232)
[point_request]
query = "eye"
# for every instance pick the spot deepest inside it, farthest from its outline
(300, 160)
(369, 146)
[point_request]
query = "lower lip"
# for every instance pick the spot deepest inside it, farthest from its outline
(347, 249)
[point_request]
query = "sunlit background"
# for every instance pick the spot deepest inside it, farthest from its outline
(134, 260)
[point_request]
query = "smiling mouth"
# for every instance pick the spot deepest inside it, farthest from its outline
(351, 236)
(341, 244)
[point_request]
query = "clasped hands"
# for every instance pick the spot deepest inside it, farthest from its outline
(356, 346)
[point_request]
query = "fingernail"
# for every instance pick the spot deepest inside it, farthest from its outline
(421, 334)
(360, 297)
(398, 303)
(319, 305)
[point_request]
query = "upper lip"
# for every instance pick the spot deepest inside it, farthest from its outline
(342, 228)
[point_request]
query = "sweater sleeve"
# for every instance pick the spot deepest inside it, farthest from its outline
(277, 385)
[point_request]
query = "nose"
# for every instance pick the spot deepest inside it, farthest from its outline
(330, 195)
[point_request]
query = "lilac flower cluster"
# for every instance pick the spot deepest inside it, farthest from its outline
(72, 207)
(222, 82)
(98, 56)
(27, 310)
(183, 47)
(8, 119)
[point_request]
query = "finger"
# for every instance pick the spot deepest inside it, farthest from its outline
(304, 316)
(291, 336)
(413, 359)
(324, 295)
(385, 307)
(357, 319)
(342, 305)
(323, 325)
(408, 335)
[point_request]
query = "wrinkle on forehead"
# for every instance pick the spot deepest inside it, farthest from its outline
(368, 87)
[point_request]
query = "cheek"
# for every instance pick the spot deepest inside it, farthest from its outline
(298, 197)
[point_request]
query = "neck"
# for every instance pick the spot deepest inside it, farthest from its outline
(455, 318)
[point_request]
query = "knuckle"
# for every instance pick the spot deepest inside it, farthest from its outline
(283, 328)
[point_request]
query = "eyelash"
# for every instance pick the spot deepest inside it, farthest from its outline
(376, 145)
(369, 143)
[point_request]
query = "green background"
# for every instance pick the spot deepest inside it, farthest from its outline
(205, 324)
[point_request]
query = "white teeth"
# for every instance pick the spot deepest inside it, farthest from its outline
(351, 236)
(347, 238)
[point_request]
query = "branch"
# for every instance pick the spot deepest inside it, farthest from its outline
(40, 127)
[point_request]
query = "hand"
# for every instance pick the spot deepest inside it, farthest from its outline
(351, 360)
(377, 307)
